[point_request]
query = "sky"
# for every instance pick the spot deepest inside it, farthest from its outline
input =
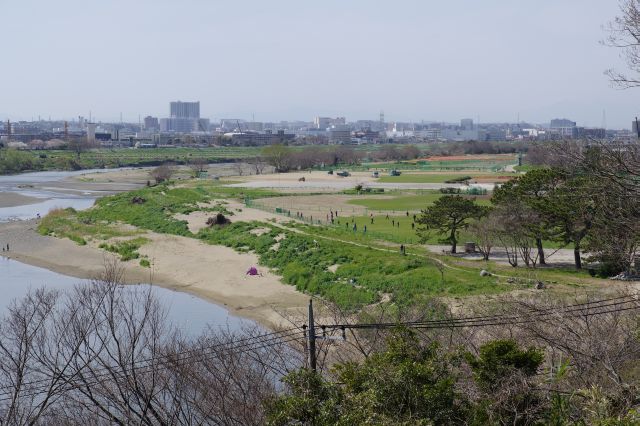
(432, 60)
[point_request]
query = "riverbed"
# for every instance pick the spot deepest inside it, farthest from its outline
(30, 195)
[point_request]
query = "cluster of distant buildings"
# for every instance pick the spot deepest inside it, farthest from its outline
(184, 125)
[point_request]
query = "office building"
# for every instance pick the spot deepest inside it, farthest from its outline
(151, 123)
(466, 124)
(181, 109)
(558, 123)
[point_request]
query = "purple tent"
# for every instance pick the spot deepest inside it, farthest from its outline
(252, 271)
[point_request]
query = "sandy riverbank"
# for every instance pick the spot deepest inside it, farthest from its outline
(214, 273)
(13, 199)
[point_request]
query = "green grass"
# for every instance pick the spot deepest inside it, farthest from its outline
(127, 250)
(527, 168)
(363, 273)
(471, 163)
(66, 223)
(406, 202)
(430, 177)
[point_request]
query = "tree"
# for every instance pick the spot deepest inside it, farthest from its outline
(257, 164)
(405, 383)
(162, 173)
(409, 152)
(501, 371)
(198, 165)
(533, 190)
(78, 145)
(447, 216)
(485, 232)
(624, 34)
(279, 156)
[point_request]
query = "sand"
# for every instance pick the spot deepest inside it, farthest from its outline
(214, 273)
(13, 199)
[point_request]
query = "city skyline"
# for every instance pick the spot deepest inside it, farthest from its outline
(415, 61)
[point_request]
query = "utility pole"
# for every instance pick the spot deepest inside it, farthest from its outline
(312, 338)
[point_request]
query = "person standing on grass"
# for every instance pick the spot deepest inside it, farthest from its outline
(365, 229)
(393, 222)
(372, 220)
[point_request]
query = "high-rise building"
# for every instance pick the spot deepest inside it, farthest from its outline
(151, 123)
(185, 109)
(466, 124)
(91, 132)
(557, 123)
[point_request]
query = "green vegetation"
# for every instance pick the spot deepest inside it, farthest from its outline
(434, 177)
(472, 163)
(363, 274)
(412, 383)
(405, 202)
(13, 161)
(145, 263)
(68, 223)
(127, 250)
(448, 216)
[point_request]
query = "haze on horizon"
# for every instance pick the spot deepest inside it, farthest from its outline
(292, 60)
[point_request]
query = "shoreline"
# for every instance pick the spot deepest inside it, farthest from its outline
(215, 274)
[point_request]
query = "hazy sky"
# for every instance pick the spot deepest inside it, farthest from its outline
(295, 59)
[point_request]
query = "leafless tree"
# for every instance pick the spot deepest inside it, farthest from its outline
(624, 34)
(105, 354)
(162, 173)
(78, 146)
(198, 165)
(239, 168)
(258, 164)
(485, 232)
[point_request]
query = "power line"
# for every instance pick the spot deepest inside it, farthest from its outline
(498, 319)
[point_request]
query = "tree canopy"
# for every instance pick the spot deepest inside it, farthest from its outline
(447, 216)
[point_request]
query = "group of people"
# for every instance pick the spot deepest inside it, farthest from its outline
(3, 248)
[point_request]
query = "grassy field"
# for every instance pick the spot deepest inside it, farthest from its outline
(489, 163)
(405, 203)
(363, 275)
(434, 177)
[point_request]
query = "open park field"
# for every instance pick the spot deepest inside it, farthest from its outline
(162, 231)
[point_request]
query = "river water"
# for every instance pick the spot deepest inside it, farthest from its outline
(188, 312)
(23, 184)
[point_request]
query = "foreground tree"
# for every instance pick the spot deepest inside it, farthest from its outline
(447, 216)
(406, 383)
(624, 34)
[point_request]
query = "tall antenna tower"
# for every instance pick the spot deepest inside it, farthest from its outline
(66, 131)
(8, 129)
(381, 117)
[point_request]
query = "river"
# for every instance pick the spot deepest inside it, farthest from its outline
(188, 312)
